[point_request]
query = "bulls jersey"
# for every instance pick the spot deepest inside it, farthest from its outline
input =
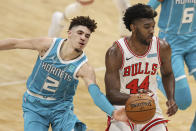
(54, 77)
(178, 16)
(139, 72)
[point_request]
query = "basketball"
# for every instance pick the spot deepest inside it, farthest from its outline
(140, 108)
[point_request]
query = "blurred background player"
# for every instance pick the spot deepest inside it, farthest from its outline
(177, 24)
(122, 5)
(131, 65)
(60, 19)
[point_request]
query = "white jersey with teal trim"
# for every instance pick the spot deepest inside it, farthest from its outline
(178, 16)
(54, 77)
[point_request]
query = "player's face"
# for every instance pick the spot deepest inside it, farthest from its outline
(145, 30)
(79, 37)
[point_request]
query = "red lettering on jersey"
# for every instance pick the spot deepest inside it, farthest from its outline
(154, 69)
(139, 70)
(127, 71)
(145, 83)
(133, 85)
(134, 69)
(146, 69)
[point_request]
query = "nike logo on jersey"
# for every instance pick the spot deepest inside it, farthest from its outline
(152, 55)
(129, 58)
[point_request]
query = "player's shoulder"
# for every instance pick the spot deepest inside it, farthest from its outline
(113, 50)
(113, 57)
(45, 42)
(163, 44)
(165, 49)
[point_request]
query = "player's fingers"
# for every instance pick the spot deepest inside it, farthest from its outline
(134, 95)
(172, 109)
(140, 90)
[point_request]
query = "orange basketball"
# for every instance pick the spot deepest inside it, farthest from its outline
(140, 108)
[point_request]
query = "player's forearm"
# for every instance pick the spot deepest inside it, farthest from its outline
(116, 97)
(169, 85)
(154, 3)
(7, 44)
(100, 100)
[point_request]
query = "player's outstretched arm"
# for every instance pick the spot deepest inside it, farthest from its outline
(168, 77)
(113, 62)
(38, 44)
(87, 73)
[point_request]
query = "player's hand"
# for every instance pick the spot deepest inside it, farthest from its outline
(120, 115)
(85, 2)
(143, 91)
(172, 107)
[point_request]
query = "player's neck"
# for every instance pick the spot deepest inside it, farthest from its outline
(67, 52)
(136, 46)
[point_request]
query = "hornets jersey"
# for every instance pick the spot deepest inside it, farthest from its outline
(54, 77)
(178, 16)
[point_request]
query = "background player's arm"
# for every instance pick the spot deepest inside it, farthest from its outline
(168, 76)
(154, 3)
(39, 44)
(113, 63)
(82, 2)
(87, 73)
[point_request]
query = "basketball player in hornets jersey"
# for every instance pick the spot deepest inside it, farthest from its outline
(177, 23)
(132, 64)
(54, 79)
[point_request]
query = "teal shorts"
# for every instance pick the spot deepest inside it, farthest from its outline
(39, 114)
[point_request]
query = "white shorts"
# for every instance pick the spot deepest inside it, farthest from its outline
(158, 123)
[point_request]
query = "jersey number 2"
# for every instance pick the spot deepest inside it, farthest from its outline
(52, 83)
(133, 85)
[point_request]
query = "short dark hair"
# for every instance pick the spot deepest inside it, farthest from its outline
(138, 11)
(84, 21)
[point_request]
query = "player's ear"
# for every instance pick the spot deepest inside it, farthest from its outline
(69, 33)
(132, 27)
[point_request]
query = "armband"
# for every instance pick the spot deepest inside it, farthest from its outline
(100, 100)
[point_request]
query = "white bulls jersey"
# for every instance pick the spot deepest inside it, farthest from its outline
(139, 72)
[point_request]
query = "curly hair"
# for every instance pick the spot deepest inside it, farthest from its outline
(84, 21)
(138, 11)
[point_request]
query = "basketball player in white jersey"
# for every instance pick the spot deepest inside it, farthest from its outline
(132, 64)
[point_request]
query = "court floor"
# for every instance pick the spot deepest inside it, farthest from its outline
(31, 18)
